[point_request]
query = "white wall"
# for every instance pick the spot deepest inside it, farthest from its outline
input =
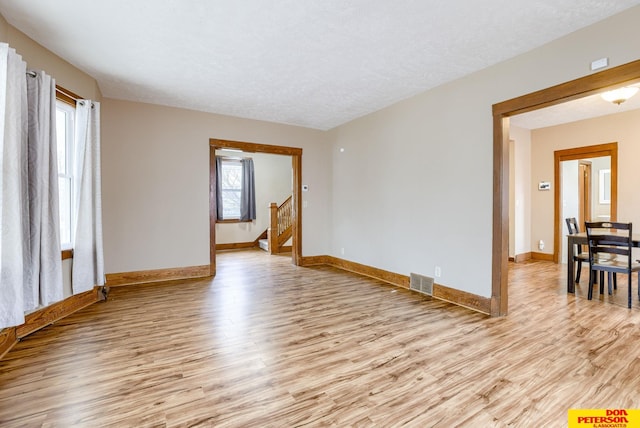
(273, 175)
(521, 201)
(512, 198)
(569, 196)
(414, 187)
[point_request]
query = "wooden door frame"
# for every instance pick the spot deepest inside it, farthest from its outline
(584, 193)
(296, 165)
(568, 91)
(577, 153)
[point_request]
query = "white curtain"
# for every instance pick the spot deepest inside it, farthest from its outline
(13, 173)
(30, 262)
(43, 282)
(88, 259)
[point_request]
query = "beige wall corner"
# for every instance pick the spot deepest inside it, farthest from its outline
(38, 57)
(155, 163)
(4, 29)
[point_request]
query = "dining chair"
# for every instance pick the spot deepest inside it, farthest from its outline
(610, 250)
(579, 255)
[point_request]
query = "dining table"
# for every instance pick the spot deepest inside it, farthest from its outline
(581, 239)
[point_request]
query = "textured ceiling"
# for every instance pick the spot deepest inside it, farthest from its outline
(573, 111)
(316, 64)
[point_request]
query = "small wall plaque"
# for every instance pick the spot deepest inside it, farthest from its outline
(544, 185)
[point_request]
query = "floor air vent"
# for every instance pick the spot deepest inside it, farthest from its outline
(421, 283)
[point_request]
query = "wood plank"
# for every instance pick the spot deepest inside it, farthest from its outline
(157, 275)
(56, 311)
(500, 241)
(574, 89)
(296, 212)
(542, 256)
(524, 257)
(314, 260)
(67, 254)
(381, 274)
(8, 339)
(255, 147)
(213, 210)
(67, 96)
(266, 343)
(45, 316)
(462, 298)
(235, 246)
(459, 297)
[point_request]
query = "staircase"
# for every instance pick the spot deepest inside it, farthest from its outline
(280, 230)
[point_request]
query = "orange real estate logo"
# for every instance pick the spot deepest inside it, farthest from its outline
(604, 418)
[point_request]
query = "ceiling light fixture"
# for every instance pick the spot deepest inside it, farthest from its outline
(620, 95)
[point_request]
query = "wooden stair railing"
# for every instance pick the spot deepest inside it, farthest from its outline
(280, 229)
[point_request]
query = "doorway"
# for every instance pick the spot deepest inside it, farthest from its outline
(584, 158)
(296, 209)
(568, 91)
(584, 191)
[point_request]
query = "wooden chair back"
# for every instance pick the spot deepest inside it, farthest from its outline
(572, 225)
(612, 240)
(574, 228)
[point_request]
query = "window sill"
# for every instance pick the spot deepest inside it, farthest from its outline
(233, 221)
(67, 254)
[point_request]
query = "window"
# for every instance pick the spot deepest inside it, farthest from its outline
(65, 115)
(231, 188)
(235, 189)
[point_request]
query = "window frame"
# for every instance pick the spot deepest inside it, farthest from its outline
(68, 98)
(231, 160)
(69, 163)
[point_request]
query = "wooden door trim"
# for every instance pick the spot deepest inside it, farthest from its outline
(584, 194)
(296, 164)
(567, 91)
(577, 153)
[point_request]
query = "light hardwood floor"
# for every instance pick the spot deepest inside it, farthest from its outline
(268, 344)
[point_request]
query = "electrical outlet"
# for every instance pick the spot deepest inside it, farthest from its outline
(342, 251)
(438, 272)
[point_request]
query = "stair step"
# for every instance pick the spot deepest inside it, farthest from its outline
(264, 244)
